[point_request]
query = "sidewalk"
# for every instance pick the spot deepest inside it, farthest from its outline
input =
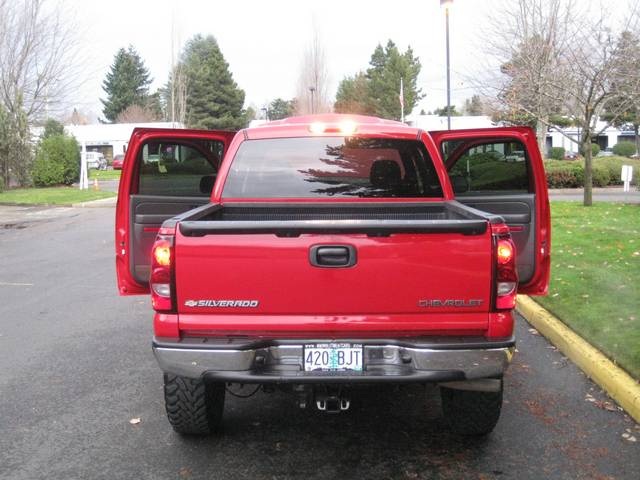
(102, 203)
(600, 194)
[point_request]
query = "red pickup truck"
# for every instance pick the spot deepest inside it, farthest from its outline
(318, 253)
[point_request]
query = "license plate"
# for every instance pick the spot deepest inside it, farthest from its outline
(333, 357)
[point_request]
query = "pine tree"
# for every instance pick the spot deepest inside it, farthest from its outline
(213, 99)
(127, 83)
(388, 66)
(280, 108)
(353, 96)
(473, 106)
(377, 91)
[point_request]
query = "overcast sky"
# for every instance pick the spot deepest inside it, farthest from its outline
(263, 41)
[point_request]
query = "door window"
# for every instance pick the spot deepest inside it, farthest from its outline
(179, 169)
(486, 168)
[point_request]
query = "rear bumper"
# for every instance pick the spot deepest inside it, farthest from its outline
(388, 361)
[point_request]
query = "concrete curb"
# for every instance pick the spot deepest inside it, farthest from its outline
(615, 381)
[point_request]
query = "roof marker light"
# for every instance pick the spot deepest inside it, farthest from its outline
(317, 127)
(348, 127)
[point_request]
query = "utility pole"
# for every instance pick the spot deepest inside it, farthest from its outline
(313, 105)
(447, 4)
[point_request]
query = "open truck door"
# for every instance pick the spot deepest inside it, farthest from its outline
(500, 171)
(166, 172)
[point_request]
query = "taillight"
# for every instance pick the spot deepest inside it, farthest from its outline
(506, 273)
(161, 278)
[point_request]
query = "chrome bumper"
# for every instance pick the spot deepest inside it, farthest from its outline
(283, 363)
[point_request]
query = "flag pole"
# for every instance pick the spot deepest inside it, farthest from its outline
(401, 101)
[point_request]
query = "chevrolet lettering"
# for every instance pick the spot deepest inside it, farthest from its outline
(436, 302)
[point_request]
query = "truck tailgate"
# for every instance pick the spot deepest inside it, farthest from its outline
(412, 278)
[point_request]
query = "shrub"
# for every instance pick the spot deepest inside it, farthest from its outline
(624, 149)
(57, 161)
(600, 176)
(557, 153)
(613, 165)
(595, 150)
(606, 171)
(568, 174)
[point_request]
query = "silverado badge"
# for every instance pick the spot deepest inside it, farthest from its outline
(222, 303)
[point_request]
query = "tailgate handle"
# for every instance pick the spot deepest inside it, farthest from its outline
(332, 256)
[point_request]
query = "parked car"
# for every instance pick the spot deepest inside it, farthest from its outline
(515, 156)
(96, 160)
(570, 155)
(118, 161)
(607, 152)
(327, 251)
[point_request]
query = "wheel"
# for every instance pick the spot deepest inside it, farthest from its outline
(194, 407)
(471, 413)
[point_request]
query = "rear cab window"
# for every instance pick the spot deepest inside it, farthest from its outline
(317, 167)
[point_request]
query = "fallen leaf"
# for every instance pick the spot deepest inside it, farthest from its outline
(605, 406)
(135, 421)
(629, 438)
(533, 331)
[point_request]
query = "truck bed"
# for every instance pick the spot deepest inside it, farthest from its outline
(369, 218)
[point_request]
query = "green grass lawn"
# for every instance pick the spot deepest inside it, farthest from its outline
(52, 195)
(104, 174)
(595, 277)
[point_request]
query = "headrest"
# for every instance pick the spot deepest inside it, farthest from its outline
(385, 174)
(206, 184)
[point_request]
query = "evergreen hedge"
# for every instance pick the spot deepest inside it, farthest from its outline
(57, 161)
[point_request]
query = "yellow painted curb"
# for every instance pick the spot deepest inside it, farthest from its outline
(615, 381)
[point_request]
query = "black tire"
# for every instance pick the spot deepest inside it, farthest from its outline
(194, 407)
(471, 413)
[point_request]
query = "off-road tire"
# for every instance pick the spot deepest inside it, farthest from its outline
(194, 407)
(471, 413)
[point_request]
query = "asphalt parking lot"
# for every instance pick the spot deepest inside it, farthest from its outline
(76, 366)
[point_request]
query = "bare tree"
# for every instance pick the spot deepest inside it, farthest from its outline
(178, 95)
(528, 39)
(37, 55)
(569, 68)
(76, 118)
(592, 70)
(312, 95)
(36, 72)
(136, 113)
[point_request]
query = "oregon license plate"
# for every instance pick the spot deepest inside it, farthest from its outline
(333, 357)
